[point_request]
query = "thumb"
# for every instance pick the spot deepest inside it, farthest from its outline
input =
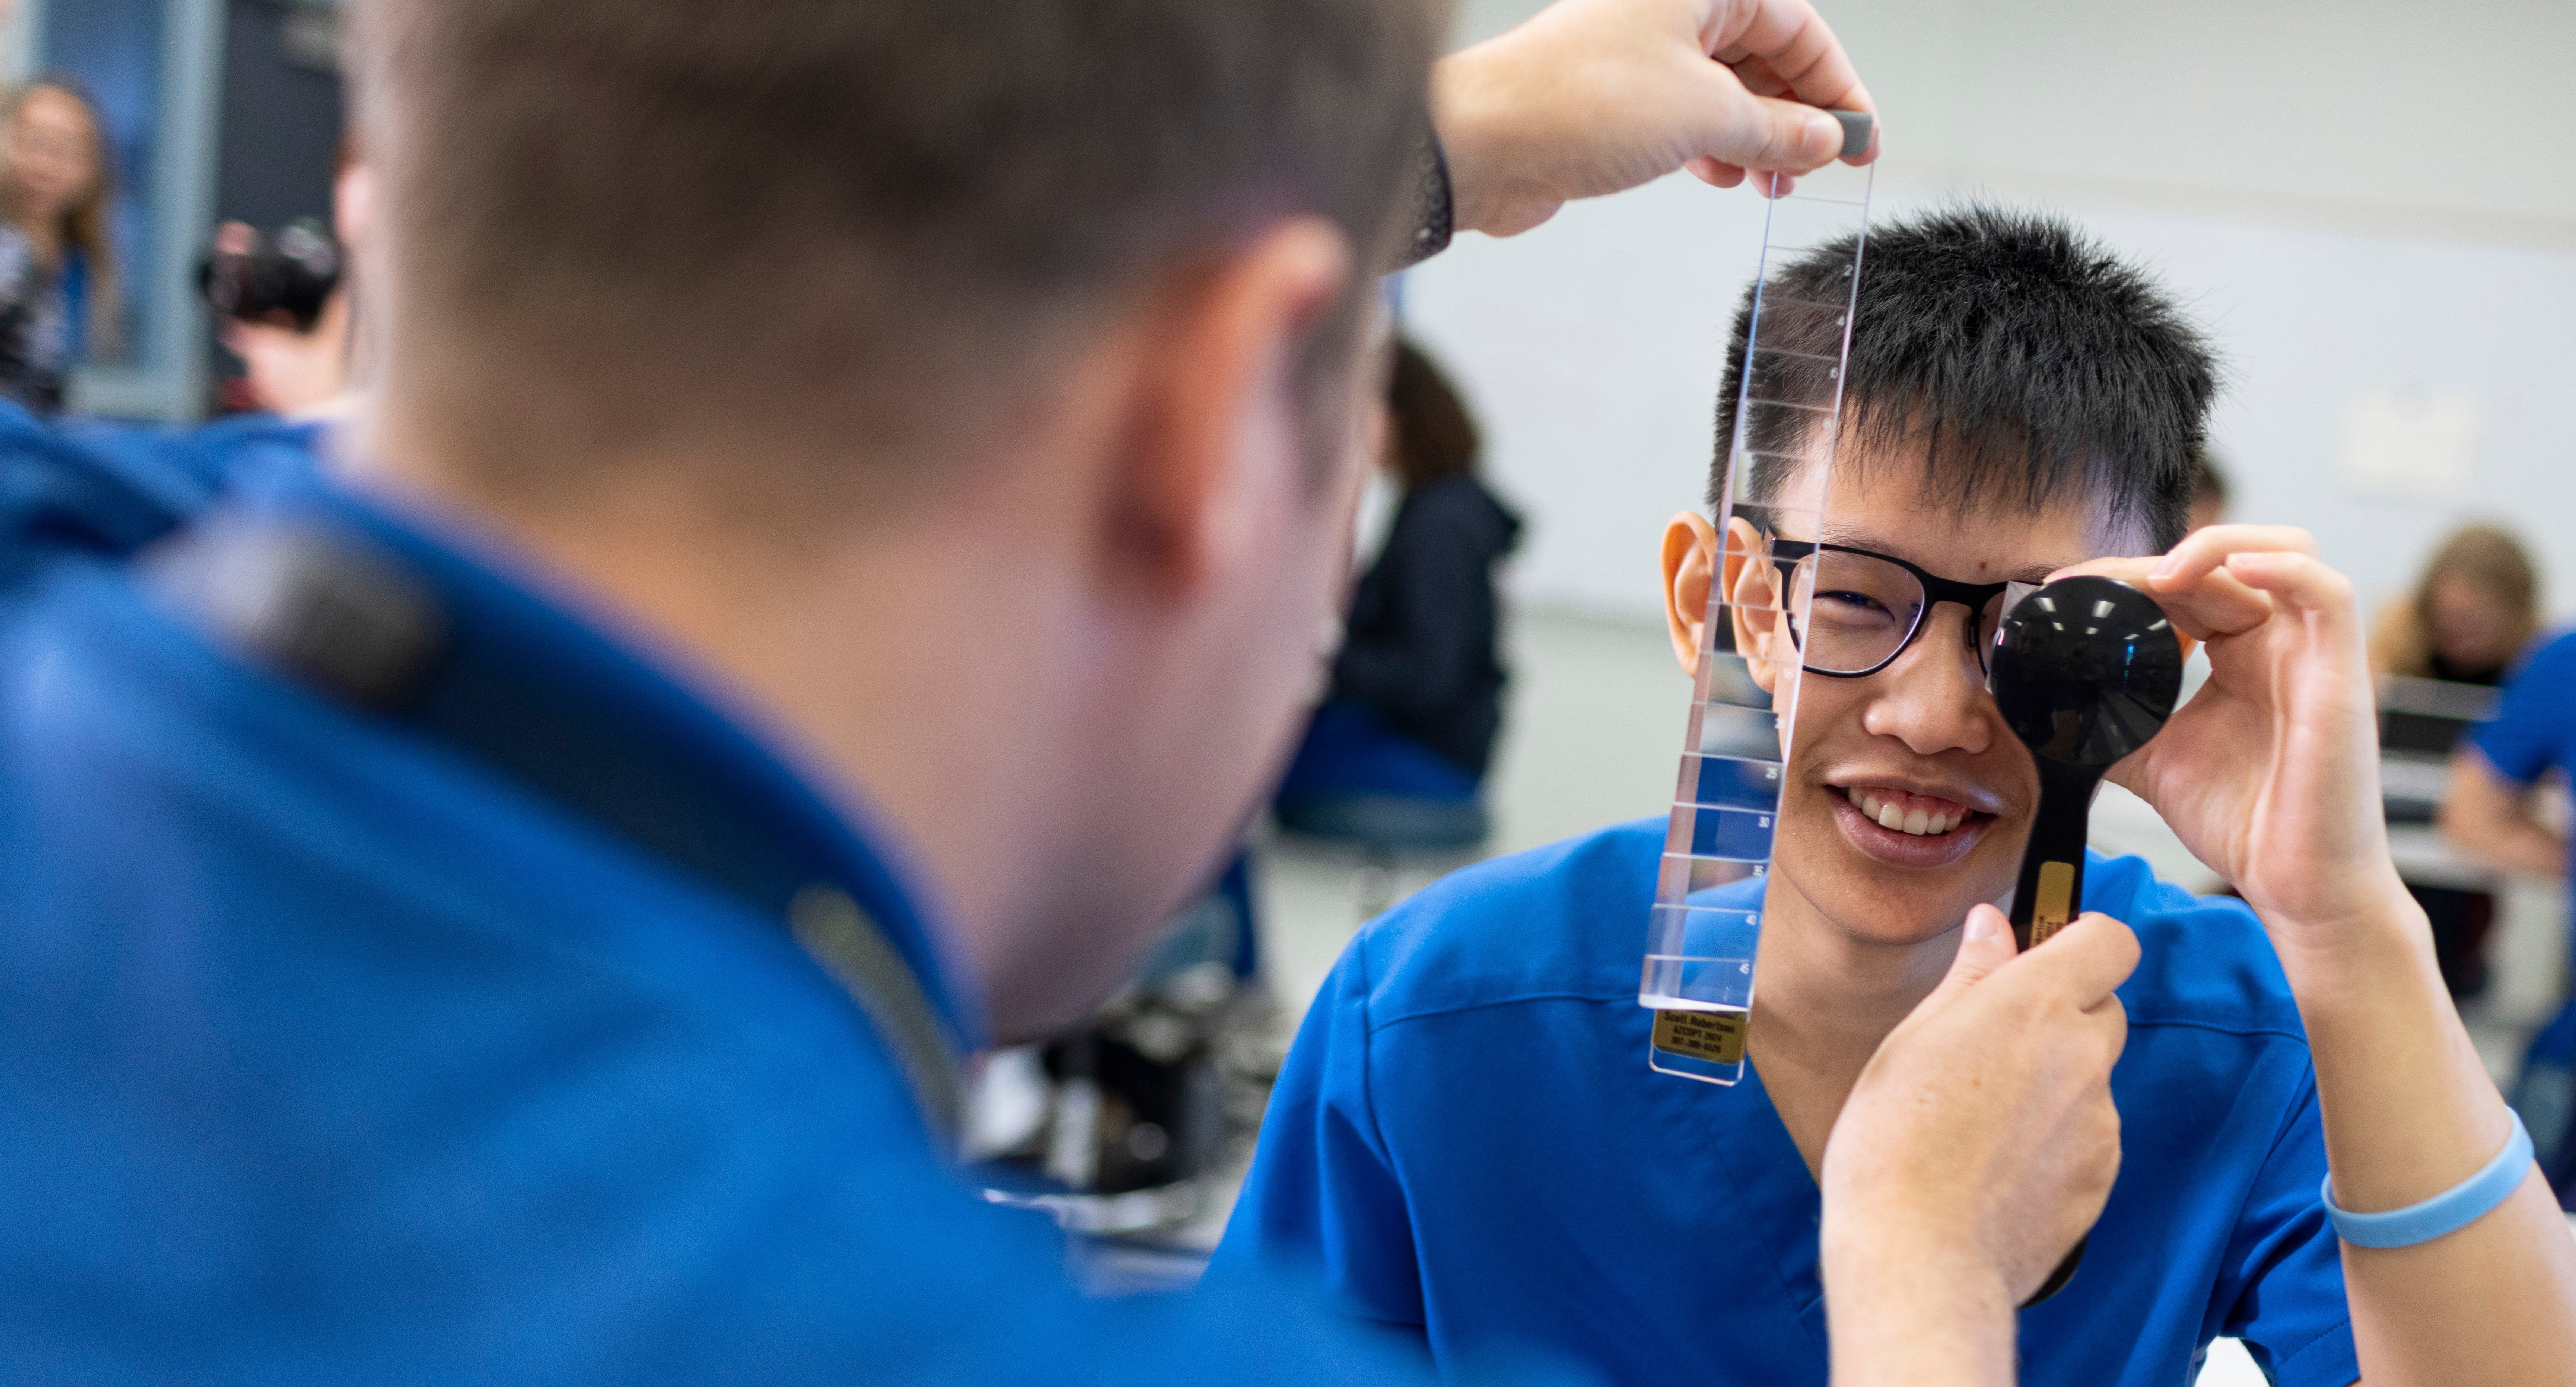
(1985, 944)
(1767, 133)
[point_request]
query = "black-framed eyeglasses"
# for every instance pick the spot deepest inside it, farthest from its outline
(1865, 608)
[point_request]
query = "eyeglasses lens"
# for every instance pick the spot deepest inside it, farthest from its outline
(1861, 611)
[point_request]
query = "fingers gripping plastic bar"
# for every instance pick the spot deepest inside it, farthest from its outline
(1779, 443)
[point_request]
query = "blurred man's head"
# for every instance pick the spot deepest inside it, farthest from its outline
(2017, 400)
(860, 232)
(1084, 284)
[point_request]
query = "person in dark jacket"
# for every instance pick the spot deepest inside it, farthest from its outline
(1416, 702)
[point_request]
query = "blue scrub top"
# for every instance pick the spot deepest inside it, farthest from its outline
(332, 1055)
(2534, 731)
(1468, 1145)
(78, 491)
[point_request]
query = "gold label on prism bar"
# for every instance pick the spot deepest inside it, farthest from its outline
(2056, 903)
(1715, 1036)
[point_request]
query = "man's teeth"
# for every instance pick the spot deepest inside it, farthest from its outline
(1897, 820)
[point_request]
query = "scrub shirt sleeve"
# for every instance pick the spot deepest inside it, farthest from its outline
(2281, 1287)
(2531, 728)
(1323, 1195)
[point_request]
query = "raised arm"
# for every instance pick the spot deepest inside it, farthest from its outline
(2271, 776)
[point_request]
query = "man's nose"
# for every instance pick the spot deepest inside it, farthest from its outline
(1934, 697)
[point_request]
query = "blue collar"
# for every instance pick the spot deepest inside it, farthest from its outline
(585, 718)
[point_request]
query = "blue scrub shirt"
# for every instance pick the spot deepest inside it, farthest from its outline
(76, 491)
(1468, 1145)
(2534, 731)
(332, 1055)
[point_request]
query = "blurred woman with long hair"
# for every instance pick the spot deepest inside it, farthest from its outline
(2471, 617)
(59, 294)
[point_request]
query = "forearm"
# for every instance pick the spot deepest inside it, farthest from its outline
(2409, 1112)
(2488, 816)
(2527, 848)
(2511, 842)
(1899, 1320)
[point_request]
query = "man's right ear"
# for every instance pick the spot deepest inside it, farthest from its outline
(1692, 560)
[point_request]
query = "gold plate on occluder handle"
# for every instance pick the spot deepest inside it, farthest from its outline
(1715, 1036)
(2056, 903)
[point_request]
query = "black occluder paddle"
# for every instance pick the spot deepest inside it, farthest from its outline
(2085, 672)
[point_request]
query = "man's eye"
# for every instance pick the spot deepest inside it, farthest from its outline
(1852, 605)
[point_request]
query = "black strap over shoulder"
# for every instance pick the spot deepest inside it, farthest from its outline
(334, 613)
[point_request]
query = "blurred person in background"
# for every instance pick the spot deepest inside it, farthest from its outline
(2477, 610)
(291, 367)
(87, 490)
(1416, 697)
(2471, 617)
(294, 353)
(2209, 495)
(59, 297)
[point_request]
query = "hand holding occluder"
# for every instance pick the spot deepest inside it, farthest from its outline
(1979, 1144)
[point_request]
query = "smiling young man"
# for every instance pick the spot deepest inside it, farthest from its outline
(1467, 1140)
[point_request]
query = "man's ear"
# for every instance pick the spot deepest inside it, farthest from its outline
(1218, 420)
(1690, 559)
(1754, 602)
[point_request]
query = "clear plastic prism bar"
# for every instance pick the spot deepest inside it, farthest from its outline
(1706, 925)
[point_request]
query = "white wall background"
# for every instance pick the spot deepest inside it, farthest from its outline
(2351, 196)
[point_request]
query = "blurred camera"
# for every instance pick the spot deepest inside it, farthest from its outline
(280, 281)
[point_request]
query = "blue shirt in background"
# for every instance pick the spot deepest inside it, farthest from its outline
(1468, 1145)
(333, 1055)
(2534, 733)
(2534, 730)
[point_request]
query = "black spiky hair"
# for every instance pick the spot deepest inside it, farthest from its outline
(2020, 359)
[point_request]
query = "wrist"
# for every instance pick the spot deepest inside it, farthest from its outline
(2348, 955)
(1924, 1236)
(1914, 1306)
(1482, 116)
(1462, 116)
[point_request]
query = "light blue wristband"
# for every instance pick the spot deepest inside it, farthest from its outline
(2447, 1212)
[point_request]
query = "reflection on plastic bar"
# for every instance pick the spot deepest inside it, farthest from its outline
(1707, 919)
(1726, 782)
(1807, 221)
(1787, 374)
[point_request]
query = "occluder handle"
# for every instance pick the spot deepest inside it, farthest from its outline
(2050, 893)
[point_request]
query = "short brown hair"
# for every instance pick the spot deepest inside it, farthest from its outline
(855, 224)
